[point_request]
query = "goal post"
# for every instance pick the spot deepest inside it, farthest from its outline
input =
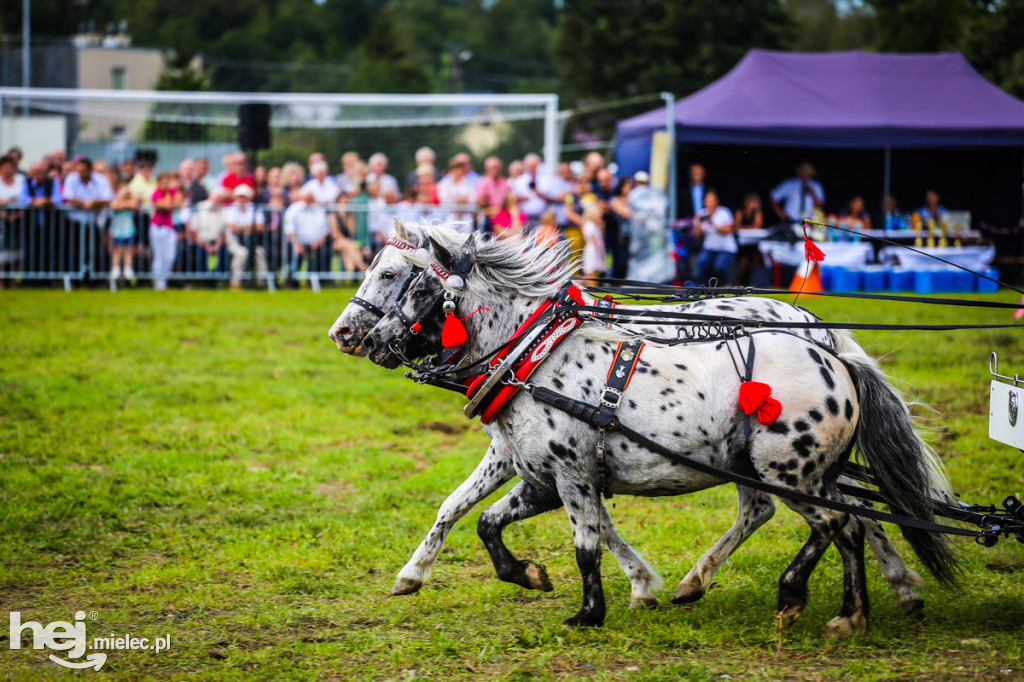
(115, 123)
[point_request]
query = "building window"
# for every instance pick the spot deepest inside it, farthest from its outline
(118, 133)
(118, 78)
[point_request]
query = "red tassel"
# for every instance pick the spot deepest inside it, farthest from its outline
(752, 394)
(769, 411)
(453, 333)
(756, 397)
(576, 295)
(812, 252)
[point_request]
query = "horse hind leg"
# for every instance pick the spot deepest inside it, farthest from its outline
(901, 578)
(853, 617)
(520, 503)
(642, 578)
(754, 508)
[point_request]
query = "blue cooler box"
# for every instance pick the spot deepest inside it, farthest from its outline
(845, 280)
(872, 278)
(898, 279)
(985, 286)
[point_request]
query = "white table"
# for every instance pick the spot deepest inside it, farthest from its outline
(972, 257)
(841, 254)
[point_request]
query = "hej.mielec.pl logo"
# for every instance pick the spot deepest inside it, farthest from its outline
(71, 638)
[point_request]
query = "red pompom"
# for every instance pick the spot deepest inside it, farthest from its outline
(756, 397)
(575, 294)
(453, 333)
(769, 411)
(812, 252)
(752, 394)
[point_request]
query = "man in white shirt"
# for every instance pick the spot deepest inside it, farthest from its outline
(456, 188)
(529, 189)
(90, 193)
(325, 190)
(305, 227)
(206, 228)
(243, 234)
(380, 184)
(798, 198)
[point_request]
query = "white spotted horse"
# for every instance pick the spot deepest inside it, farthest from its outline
(820, 403)
(384, 283)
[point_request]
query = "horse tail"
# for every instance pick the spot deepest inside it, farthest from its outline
(908, 471)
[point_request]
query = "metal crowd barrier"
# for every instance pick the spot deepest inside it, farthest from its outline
(71, 245)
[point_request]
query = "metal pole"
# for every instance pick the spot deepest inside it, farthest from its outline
(887, 187)
(26, 48)
(551, 139)
(670, 126)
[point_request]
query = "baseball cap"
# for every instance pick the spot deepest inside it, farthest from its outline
(642, 177)
(243, 191)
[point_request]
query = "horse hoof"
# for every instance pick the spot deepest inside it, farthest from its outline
(406, 586)
(841, 627)
(912, 605)
(789, 615)
(648, 601)
(536, 578)
(686, 596)
(584, 620)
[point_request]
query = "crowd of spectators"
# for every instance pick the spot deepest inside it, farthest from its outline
(314, 218)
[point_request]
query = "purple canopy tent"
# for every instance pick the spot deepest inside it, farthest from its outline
(837, 100)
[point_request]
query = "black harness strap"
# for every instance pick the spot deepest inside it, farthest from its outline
(369, 306)
(627, 356)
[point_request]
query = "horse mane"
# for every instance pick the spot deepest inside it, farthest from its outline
(517, 266)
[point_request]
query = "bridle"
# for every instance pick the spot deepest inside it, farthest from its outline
(444, 301)
(402, 245)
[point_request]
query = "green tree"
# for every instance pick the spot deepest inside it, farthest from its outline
(991, 42)
(615, 48)
(386, 62)
(921, 25)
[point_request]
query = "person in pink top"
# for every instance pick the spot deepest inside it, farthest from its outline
(510, 220)
(493, 186)
(163, 238)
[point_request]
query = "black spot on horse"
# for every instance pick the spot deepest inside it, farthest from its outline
(551, 423)
(780, 427)
(789, 479)
(632, 404)
(558, 383)
(655, 372)
(803, 445)
(572, 441)
(792, 464)
(561, 452)
(809, 468)
(815, 356)
(682, 367)
(579, 364)
(832, 405)
(801, 426)
(700, 395)
(827, 376)
(848, 410)
(815, 415)
(591, 356)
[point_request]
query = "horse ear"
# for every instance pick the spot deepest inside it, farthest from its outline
(442, 255)
(400, 230)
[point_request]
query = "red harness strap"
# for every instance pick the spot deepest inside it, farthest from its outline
(558, 330)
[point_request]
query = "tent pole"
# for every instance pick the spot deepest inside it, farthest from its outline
(670, 126)
(887, 186)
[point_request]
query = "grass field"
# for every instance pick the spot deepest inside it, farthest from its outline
(206, 465)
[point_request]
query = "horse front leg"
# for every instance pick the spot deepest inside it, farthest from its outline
(582, 501)
(753, 510)
(493, 471)
(522, 502)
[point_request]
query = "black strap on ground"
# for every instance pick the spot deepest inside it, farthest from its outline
(588, 413)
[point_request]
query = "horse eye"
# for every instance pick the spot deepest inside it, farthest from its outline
(388, 275)
(420, 293)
